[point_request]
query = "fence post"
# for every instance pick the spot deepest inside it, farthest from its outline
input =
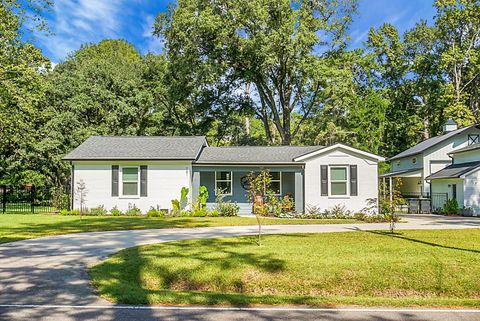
(32, 198)
(4, 198)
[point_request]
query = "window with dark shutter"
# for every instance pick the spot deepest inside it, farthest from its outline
(143, 180)
(324, 180)
(114, 180)
(353, 180)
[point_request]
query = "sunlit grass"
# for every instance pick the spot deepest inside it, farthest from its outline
(14, 227)
(434, 268)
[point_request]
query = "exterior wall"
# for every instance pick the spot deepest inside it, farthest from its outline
(411, 185)
(164, 182)
(472, 192)
(471, 156)
(440, 151)
(407, 163)
(444, 186)
(367, 171)
(239, 194)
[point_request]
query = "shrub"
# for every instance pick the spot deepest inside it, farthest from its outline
(450, 207)
(214, 213)
(71, 212)
(133, 210)
(97, 211)
(202, 196)
(183, 197)
(228, 209)
(175, 207)
(201, 212)
(338, 211)
(155, 212)
(115, 211)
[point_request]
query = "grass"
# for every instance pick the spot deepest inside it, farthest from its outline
(411, 268)
(15, 227)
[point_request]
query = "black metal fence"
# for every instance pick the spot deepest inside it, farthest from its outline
(32, 199)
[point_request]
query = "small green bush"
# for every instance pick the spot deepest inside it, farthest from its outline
(451, 207)
(115, 211)
(228, 209)
(154, 212)
(133, 210)
(71, 212)
(97, 211)
(214, 213)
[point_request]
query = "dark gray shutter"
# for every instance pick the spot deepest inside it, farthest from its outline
(143, 180)
(324, 180)
(114, 180)
(353, 180)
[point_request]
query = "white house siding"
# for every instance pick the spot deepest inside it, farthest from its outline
(444, 186)
(472, 192)
(407, 163)
(164, 182)
(367, 180)
(440, 152)
(465, 157)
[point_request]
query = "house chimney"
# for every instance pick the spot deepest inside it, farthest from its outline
(450, 126)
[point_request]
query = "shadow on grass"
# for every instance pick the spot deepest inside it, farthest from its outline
(123, 278)
(402, 237)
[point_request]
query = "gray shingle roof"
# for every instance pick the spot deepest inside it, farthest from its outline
(466, 149)
(138, 147)
(426, 144)
(401, 172)
(455, 170)
(253, 154)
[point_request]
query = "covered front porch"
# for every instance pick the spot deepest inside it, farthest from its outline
(411, 189)
(231, 180)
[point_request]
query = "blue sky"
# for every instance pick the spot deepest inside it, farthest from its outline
(73, 22)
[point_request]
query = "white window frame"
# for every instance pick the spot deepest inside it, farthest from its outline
(138, 181)
(330, 181)
(278, 180)
(477, 140)
(224, 180)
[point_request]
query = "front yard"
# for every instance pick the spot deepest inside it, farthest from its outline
(15, 227)
(411, 268)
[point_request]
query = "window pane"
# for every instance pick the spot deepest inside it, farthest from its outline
(130, 188)
(224, 176)
(339, 188)
(224, 187)
(275, 186)
(130, 174)
(338, 174)
(275, 175)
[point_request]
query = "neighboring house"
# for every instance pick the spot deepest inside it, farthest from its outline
(461, 179)
(420, 161)
(150, 171)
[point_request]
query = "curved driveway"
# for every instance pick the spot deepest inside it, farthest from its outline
(52, 270)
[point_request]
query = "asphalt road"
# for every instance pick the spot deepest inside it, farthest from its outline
(46, 279)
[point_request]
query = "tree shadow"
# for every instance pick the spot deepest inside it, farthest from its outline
(399, 235)
(123, 278)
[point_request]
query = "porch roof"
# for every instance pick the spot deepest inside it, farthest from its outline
(455, 170)
(415, 172)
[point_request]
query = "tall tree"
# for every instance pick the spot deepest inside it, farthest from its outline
(278, 47)
(21, 84)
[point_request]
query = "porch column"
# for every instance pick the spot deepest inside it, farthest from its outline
(390, 189)
(195, 184)
(299, 202)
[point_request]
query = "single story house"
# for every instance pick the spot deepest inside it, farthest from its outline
(460, 180)
(150, 171)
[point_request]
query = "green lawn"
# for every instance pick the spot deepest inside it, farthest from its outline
(411, 268)
(14, 227)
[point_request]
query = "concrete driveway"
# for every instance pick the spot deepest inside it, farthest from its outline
(50, 273)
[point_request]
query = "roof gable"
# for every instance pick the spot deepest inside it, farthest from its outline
(426, 144)
(339, 146)
(138, 147)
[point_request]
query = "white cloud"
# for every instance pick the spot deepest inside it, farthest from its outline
(152, 44)
(75, 22)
